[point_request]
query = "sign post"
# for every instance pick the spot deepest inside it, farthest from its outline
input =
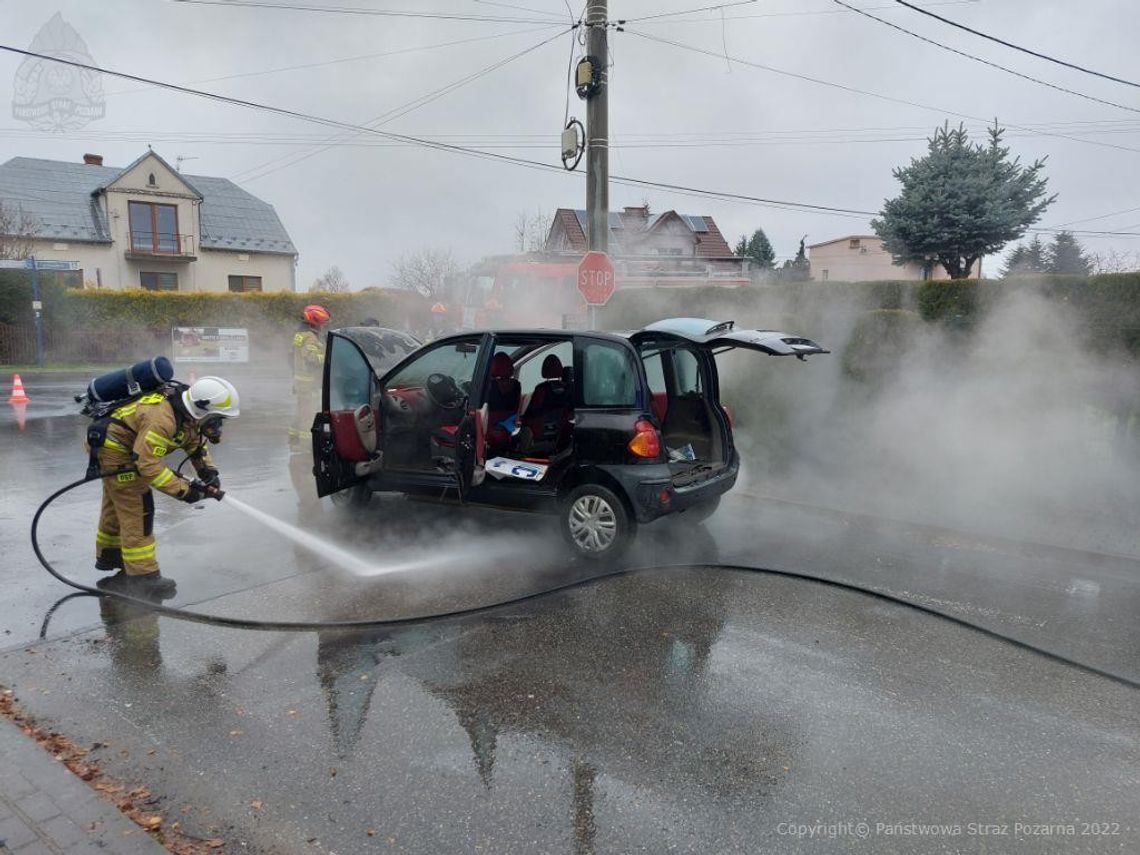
(596, 282)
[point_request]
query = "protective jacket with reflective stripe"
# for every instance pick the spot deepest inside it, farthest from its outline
(149, 431)
(308, 356)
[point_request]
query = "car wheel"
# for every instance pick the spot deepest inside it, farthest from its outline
(595, 522)
(356, 496)
(699, 513)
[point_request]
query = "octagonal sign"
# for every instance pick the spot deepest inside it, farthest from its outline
(596, 282)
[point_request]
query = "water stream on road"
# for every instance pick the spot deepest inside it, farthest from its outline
(343, 558)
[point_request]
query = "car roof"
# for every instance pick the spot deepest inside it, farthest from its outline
(543, 333)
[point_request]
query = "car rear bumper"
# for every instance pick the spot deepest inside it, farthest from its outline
(652, 494)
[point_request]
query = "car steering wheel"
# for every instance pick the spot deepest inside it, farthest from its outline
(443, 391)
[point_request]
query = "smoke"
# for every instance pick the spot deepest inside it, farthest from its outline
(1021, 428)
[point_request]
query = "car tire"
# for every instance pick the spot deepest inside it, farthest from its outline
(356, 496)
(700, 513)
(595, 522)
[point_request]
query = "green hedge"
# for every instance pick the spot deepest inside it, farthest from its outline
(1106, 307)
(69, 308)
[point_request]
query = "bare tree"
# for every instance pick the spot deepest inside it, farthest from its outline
(531, 231)
(430, 272)
(17, 232)
(333, 282)
(1114, 262)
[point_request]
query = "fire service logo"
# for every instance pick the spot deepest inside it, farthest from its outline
(50, 96)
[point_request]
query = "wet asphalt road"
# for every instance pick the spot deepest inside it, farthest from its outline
(693, 710)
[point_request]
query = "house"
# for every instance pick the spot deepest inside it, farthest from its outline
(654, 249)
(149, 226)
(862, 258)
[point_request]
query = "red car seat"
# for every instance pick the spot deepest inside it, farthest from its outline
(502, 402)
(546, 424)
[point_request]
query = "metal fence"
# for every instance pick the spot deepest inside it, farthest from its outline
(82, 344)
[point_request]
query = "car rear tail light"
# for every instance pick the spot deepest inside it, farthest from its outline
(646, 442)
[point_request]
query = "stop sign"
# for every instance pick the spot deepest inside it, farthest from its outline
(596, 281)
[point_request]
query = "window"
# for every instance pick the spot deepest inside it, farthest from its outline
(608, 376)
(530, 372)
(159, 281)
(454, 359)
(154, 228)
(245, 283)
(825, 273)
(686, 373)
(350, 376)
(654, 372)
(853, 243)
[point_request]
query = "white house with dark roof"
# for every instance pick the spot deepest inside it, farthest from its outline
(149, 226)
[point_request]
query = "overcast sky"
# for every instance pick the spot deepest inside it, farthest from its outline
(676, 116)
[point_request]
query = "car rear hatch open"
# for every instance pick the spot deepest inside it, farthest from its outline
(723, 335)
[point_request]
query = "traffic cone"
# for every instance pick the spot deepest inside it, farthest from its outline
(21, 411)
(18, 396)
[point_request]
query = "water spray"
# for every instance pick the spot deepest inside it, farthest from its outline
(319, 545)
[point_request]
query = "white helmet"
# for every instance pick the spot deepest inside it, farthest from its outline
(211, 395)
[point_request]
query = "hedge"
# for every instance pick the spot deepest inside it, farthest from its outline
(1107, 307)
(140, 308)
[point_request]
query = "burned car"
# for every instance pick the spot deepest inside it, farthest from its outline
(607, 430)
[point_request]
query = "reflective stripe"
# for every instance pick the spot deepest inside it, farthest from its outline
(125, 477)
(125, 410)
(138, 553)
(298, 339)
(104, 539)
(163, 478)
(115, 444)
(152, 398)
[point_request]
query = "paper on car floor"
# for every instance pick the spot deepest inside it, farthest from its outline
(505, 467)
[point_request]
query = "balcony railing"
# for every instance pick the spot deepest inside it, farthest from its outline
(161, 245)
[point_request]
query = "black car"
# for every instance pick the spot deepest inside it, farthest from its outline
(608, 431)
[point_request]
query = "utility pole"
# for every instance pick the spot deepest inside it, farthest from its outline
(598, 132)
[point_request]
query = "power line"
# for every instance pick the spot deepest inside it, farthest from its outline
(427, 143)
(719, 6)
(261, 171)
(852, 89)
(1101, 217)
(797, 14)
(357, 58)
(553, 15)
(356, 10)
(1043, 56)
(970, 56)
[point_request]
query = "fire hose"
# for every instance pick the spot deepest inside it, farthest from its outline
(473, 611)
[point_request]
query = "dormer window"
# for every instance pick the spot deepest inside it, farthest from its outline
(151, 182)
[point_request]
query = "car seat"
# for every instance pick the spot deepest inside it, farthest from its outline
(547, 421)
(502, 402)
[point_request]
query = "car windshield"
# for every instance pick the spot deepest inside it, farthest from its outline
(650, 426)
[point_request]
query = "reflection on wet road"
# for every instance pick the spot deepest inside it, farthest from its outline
(697, 710)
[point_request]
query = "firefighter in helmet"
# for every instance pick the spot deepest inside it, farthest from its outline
(140, 434)
(308, 366)
(308, 372)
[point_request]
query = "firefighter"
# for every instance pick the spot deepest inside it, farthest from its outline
(138, 435)
(308, 366)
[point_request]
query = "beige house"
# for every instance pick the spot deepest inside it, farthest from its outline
(149, 226)
(861, 258)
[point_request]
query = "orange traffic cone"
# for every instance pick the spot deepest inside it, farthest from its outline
(18, 396)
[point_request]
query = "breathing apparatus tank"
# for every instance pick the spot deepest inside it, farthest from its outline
(114, 386)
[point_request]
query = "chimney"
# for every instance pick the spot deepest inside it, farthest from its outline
(93, 159)
(635, 218)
